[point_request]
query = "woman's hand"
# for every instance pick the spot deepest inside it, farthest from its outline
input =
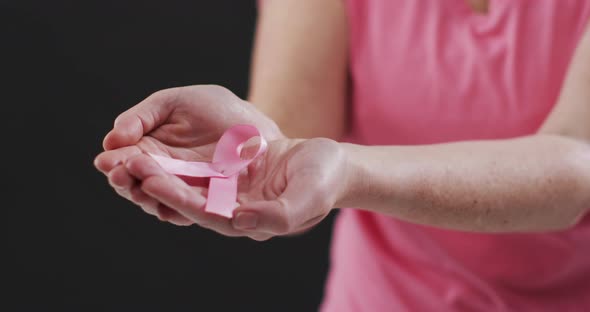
(183, 123)
(292, 188)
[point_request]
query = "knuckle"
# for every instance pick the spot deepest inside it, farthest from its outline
(162, 94)
(165, 96)
(325, 143)
(220, 93)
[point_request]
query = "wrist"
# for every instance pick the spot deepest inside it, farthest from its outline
(353, 176)
(374, 178)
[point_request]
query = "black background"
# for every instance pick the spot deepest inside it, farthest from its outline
(68, 69)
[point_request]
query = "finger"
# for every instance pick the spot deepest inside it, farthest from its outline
(123, 193)
(176, 194)
(120, 179)
(168, 214)
(148, 204)
(127, 186)
(142, 166)
(143, 200)
(142, 118)
(151, 206)
(106, 161)
(263, 216)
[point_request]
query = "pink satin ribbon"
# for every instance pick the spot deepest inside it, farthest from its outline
(223, 171)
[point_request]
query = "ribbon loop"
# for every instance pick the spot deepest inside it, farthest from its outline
(223, 171)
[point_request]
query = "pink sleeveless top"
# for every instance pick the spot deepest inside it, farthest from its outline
(431, 71)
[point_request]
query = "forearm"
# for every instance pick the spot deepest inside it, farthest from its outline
(299, 66)
(533, 183)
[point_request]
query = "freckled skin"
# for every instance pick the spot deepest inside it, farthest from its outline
(501, 187)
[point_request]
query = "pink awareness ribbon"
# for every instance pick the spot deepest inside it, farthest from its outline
(223, 170)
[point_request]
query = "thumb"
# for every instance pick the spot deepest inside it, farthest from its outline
(139, 120)
(300, 203)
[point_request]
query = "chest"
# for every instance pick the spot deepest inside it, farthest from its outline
(435, 71)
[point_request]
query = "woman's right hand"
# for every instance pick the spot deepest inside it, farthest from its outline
(183, 123)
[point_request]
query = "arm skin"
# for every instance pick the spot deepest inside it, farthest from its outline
(535, 183)
(299, 66)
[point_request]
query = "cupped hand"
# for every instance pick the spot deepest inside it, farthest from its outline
(292, 188)
(287, 190)
(183, 123)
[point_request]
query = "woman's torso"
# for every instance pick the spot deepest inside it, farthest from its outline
(434, 71)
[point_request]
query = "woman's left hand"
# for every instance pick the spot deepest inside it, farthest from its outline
(292, 188)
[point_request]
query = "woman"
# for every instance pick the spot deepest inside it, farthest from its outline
(468, 125)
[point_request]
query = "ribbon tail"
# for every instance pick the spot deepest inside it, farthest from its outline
(222, 196)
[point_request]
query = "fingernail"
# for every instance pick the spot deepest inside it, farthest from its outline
(245, 221)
